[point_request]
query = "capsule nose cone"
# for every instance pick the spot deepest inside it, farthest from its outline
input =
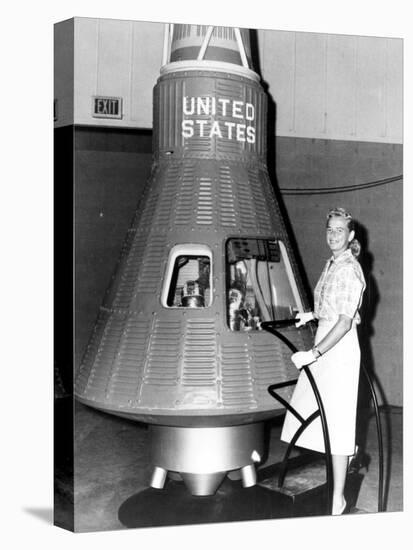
(216, 43)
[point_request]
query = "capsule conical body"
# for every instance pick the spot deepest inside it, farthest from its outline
(207, 258)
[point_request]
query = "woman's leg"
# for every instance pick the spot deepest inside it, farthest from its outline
(340, 463)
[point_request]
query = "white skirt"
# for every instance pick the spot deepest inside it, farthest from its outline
(337, 377)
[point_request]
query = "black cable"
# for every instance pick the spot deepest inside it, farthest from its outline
(381, 504)
(339, 189)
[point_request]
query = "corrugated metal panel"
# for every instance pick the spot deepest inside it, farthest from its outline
(127, 376)
(227, 215)
(154, 256)
(223, 33)
(162, 366)
(185, 198)
(129, 276)
(204, 213)
(269, 362)
(275, 219)
(167, 199)
(105, 358)
(170, 93)
(91, 351)
(128, 243)
(199, 357)
(237, 387)
(259, 201)
(149, 201)
(200, 142)
(228, 91)
(248, 220)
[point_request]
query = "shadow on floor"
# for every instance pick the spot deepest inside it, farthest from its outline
(174, 505)
(44, 514)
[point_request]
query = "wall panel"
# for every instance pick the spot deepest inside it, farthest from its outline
(114, 59)
(341, 86)
(334, 87)
(86, 47)
(371, 86)
(63, 72)
(394, 90)
(277, 51)
(310, 84)
(324, 86)
(146, 63)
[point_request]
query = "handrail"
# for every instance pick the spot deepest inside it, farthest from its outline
(282, 400)
(270, 327)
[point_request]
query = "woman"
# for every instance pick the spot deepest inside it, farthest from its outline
(335, 358)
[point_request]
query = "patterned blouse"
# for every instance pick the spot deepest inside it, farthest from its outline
(340, 289)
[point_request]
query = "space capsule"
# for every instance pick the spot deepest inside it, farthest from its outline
(178, 343)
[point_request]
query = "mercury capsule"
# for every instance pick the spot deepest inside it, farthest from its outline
(177, 343)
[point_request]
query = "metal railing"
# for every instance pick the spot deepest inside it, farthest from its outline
(272, 326)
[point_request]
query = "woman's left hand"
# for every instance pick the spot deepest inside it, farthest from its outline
(301, 358)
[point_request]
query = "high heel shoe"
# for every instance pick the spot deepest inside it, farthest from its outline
(341, 511)
(360, 460)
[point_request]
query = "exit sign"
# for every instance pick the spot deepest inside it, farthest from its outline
(106, 107)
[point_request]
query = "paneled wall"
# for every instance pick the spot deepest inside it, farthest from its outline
(325, 86)
(334, 87)
(324, 164)
(116, 58)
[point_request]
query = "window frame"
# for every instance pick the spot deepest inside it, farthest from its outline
(288, 268)
(188, 249)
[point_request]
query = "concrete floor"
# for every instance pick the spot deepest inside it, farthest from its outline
(112, 468)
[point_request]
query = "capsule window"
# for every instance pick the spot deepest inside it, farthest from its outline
(188, 277)
(260, 283)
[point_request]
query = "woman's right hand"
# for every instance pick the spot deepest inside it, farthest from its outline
(303, 317)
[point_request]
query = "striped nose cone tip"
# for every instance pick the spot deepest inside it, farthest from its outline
(187, 41)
